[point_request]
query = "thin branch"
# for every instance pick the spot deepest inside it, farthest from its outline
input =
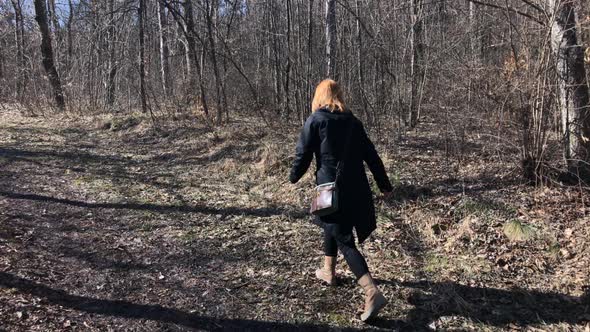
(516, 11)
(535, 6)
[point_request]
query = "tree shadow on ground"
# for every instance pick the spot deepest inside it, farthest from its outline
(155, 171)
(407, 192)
(491, 306)
(239, 153)
(229, 211)
(76, 156)
(125, 309)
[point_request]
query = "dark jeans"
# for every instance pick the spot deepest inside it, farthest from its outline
(341, 237)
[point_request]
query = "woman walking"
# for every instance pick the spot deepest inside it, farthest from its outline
(332, 133)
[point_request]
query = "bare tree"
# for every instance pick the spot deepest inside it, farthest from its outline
(492, 58)
(417, 63)
(112, 37)
(219, 89)
(2, 79)
(331, 38)
(574, 101)
(142, 89)
(21, 78)
(191, 36)
(164, 50)
(69, 23)
(309, 51)
(47, 53)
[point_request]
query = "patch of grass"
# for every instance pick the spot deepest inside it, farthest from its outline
(395, 179)
(123, 123)
(516, 231)
(553, 250)
(465, 265)
(146, 227)
(483, 209)
(435, 263)
(337, 319)
(189, 236)
(386, 215)
(280, 280)
(475, 267)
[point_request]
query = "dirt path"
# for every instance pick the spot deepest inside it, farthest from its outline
(190, 229)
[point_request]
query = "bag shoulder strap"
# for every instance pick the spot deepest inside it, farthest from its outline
(345, 154)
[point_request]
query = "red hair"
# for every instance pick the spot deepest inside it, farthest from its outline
(328, 94)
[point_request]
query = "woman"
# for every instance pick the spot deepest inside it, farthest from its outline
(333, 133)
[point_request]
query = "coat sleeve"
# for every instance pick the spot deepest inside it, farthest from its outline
(304, 150)
(371, 157)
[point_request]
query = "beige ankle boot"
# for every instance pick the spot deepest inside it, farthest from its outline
(328, 272)
(374, 299)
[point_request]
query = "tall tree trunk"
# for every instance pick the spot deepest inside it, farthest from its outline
(3, 85)
(474, 41)
(47, 53)
(142, 90)
(69, 32)
(287, 105)
(309, 55)
(584, 14)
(221, 102)
(299, 67)
(331, 38)
(275, 51)
(19, 33)
(53, 15)
(574, 101)
(112, 39)
(417, 63)
(164, 50)
(191, 34)
(359, 59)
(57, 35)
(174, 9)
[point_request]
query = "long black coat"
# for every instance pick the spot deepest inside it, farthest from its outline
(324, 135)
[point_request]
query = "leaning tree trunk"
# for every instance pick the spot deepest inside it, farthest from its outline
(331, 38)
(47, 53)
(574, 101)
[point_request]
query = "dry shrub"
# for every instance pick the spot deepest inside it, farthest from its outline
(463, 232)
(273, 159)
(119, 123)
(229, 166)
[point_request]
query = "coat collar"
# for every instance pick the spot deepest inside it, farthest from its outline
(326, 110)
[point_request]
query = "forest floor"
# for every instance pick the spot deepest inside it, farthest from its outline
(109, 224)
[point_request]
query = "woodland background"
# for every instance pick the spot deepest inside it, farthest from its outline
(517, 63)
(145, 146)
